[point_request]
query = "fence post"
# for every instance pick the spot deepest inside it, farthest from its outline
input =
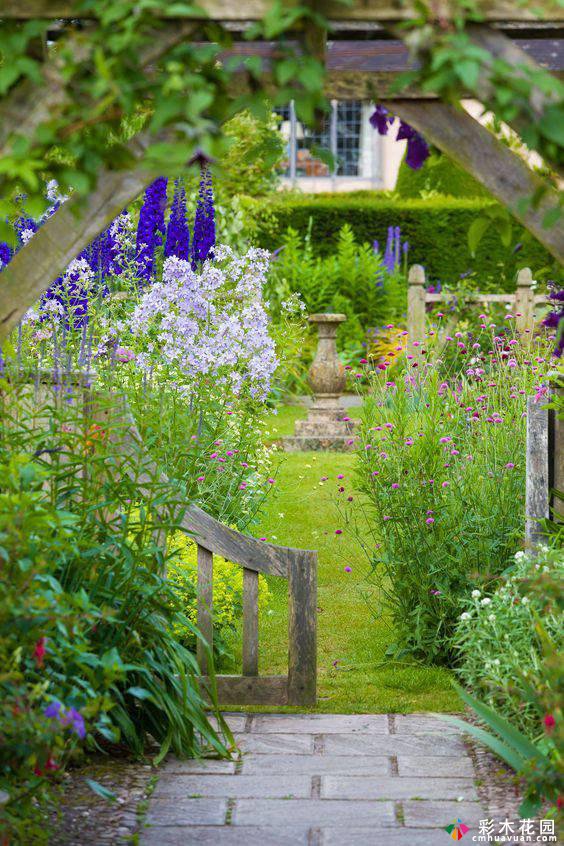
(556, 447)
(416, 303)
(537, 485)
(524, 300)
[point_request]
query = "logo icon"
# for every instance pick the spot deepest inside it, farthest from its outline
(457, 829)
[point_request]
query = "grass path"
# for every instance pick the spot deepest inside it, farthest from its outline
(354, 674)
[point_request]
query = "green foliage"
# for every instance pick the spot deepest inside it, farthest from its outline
(439, 175)
(256, 149)
(539, 764)
(498, 641)
(441, 465)
(451, 66)
(105, 96)
(352, 280)
(436, 229)
(86, 614)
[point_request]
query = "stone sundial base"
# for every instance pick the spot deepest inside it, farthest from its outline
(328, 426)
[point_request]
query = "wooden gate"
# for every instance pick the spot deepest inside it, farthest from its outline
(298, 566)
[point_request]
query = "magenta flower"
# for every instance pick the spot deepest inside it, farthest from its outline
(341, 476)
(510, 465)
(395, 486)
(348, 569)
(270, 481)
(445, 485)
(200, 478)
(338, 531)
(430, 521)
(386, 517)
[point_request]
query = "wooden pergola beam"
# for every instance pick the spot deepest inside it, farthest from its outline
(492, 163)
(374, 11)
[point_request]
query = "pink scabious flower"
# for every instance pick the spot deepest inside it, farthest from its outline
(348, 569)
(338, 531)
(445, 485)
(430, 521)
(214, 455)
(395, 486)
(200, 478)
(386, 517)
(375, 473)
(363, 361)
(242, 486)
(270, 481)
(440, 314)
(341, 476)
(510, 465)
(123, 354)
(445, 440)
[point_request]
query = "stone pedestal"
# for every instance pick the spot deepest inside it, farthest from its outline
(326, 426)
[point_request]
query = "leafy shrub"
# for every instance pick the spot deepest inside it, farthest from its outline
(436, 228)
(86, 614)
(499, 644)
(538, 763)
(227, 593)
(353, 281)
(441, 175)
(441, 466)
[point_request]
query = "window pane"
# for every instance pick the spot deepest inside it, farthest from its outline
(349, 124)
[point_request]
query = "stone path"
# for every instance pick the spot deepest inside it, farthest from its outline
(320, 780)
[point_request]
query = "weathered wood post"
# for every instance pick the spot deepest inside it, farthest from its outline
(536, 470)
(416, 303)
(524, 300)
(545, 462)
(556, 448)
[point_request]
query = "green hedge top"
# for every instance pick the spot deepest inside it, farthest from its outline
(436, 229)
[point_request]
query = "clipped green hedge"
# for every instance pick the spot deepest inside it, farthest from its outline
(436, 229)
(440, 174)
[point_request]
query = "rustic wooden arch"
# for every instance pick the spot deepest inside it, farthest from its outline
(363, 58)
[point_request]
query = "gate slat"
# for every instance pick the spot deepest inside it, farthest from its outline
(250, 622)
(205, 604)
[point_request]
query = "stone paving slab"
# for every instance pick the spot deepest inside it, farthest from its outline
(439, 766)
(355, 780)
(201, 766)
(320, 723)
(316, 764)
(236, 722)
(280, 744)
(239, 786)
(440, 814)
(422, 724)
(312, 812)
(393, 744)
(231, 835)
(366, 787)
(383, 837)
(164, 811)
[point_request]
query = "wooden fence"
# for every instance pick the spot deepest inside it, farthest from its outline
(544, 463)
(522, 302)
(298, 566)
(113, 416)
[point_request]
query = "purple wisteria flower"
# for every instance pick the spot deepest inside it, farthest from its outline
(178, 234)
(203, 239)
(381, 119)
(150, 229)
(417, 148)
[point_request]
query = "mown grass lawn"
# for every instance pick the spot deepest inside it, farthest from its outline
(354, 674)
